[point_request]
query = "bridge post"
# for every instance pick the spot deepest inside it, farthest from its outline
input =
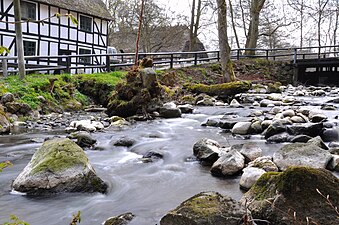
(68, 64)
(295, 56)
(108, 64)
(171, 63)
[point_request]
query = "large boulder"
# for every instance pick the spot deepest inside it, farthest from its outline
(4, 122)
(301, 154)
(59, 165)
(7, 97)
(291, 197)
(207, 150)
(206, 208)
(229, 164)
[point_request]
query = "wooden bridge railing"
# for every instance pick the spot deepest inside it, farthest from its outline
(107, 62)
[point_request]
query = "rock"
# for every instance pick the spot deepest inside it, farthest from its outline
(235, 104)
(265, 163)
(318, 142)
(87, 125)
(279, 138)
(207, 150)
(84, 139)
(334, 163)
(310, 129)
(275, 110)
(330, 135)
(301, 154)
(207, 101)
(187, 108)
(275, 128)
(18, 108)
(328, 107)
(59, 165)
(256, 127)
(241, 128)
(298, 119)
(151, 156)
(276, 197)
(266, 103)
(169, 110)
(251, 151)
(288, 113)
(250, 176)
(122, 219)
(230, 163)
(206, 208)
(125, 141)
(7, 97)
(301, 138)
(5, 125)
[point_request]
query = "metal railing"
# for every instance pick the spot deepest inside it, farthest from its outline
(90, 63)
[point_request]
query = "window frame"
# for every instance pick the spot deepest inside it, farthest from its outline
(86, 27)
(85, 59)
(25, 47)
(26, 10)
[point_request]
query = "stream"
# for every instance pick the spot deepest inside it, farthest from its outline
(148, 190)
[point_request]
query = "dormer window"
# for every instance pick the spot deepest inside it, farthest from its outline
(28, 10)
(85, 23)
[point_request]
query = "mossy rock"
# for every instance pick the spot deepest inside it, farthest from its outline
(59, 165)
(277, 196)
(223, 91)
(4, 122)
(274, 88)
(122, 108)
(206, 208)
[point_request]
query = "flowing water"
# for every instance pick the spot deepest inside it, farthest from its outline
(148, 190)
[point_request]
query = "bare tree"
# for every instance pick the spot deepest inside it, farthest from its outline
(299, 6)
(253, 30)
(224, 47)
(233, 23)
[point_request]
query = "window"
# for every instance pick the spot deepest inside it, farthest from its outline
(28, 10)
(84, 59)
(85, 23)
(29, 48)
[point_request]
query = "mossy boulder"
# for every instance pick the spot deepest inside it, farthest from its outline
(206, 208)
(4, 122)
(223, 91)
(59, 165)
(276, 197)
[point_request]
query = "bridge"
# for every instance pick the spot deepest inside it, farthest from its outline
(312, 65)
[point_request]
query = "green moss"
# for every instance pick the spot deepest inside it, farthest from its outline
(298, 182)
(57, 155)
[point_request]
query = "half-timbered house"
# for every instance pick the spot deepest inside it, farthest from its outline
(57, 36)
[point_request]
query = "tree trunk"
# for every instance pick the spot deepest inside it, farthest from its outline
(196, 26)
(19, 40)
(139, 32)
(233, 24)
(253, 30)
(191, 46)
(226, 64)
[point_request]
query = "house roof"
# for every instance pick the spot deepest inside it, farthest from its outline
(95, 8)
